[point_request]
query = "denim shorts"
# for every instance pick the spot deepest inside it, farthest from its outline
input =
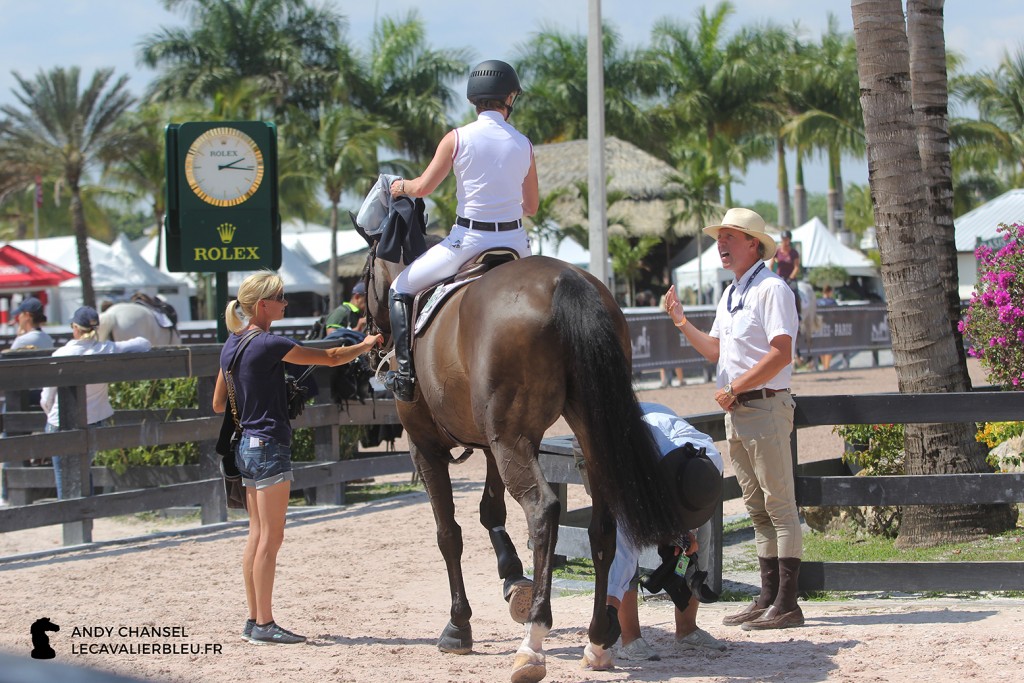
(263, 463)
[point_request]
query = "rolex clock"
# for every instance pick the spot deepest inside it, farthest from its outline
(222, 205)
(224, 166)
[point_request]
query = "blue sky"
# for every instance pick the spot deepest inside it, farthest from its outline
(40, 34)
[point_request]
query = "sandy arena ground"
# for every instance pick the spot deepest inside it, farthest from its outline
(367, 584)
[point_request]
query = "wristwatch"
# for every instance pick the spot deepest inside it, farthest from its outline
(728, 390)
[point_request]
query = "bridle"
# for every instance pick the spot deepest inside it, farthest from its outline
(370, 277)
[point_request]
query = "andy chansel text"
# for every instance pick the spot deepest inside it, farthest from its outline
(123, 640)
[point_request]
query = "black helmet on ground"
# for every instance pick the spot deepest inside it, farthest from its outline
(492, 80)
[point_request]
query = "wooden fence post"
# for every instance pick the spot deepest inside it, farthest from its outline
(214, 505)
(74, 469)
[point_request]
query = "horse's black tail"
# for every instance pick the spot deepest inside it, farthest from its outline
(623, 460)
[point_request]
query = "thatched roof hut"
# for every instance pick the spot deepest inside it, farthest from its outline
(646, 181)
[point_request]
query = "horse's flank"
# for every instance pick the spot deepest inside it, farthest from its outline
(128, 320)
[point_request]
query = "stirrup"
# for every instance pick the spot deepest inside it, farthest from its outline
(404, 388)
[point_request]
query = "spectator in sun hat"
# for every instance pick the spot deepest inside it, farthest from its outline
(98, 410)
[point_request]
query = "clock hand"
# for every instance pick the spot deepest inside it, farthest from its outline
(221, 167)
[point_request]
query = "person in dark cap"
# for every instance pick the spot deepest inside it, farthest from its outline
(29, 317)
(701, 483)
(98, 410)
(350, 314)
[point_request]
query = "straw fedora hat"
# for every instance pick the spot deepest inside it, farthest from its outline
(749, 222)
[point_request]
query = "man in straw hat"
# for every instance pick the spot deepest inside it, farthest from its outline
(752, 341)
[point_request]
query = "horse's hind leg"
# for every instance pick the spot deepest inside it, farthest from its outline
(516, 589)
(457, 636)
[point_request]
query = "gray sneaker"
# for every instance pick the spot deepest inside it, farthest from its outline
(247, 630)
(274, 634)
(639, 651)
(700, 640)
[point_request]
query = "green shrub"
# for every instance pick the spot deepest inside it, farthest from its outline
(994, 433)
(156, 394)
(876, 449)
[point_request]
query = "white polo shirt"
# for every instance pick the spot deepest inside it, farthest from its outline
(750, 314)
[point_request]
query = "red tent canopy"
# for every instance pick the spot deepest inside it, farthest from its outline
(19, 270)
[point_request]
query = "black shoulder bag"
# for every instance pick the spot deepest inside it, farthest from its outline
(231, 433)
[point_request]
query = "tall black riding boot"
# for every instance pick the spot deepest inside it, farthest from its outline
(401, 382)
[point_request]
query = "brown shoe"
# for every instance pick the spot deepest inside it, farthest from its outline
(748, 613)
(773, 617)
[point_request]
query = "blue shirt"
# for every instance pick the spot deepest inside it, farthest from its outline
(259, 386)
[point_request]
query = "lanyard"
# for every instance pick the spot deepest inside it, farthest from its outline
(739, 306)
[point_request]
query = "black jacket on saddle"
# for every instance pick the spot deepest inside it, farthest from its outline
(402, 239)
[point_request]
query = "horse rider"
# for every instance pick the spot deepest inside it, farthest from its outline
(496, 186)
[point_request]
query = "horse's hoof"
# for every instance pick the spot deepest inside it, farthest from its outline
(596, 658)
(456, 640)
(520, 597)
(528, 668)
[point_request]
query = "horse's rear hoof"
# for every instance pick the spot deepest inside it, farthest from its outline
(528, 669)
(520, 598)
(596, 658)
(456, 640)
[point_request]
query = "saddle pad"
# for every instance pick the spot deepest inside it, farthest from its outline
(439, 296)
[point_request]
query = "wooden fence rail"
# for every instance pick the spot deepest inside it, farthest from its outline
(828, 482)
(79, 442)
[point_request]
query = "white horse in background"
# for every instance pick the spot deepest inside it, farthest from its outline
(129, 319)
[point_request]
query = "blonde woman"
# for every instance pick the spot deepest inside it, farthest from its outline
(98, 410)
(264, 451)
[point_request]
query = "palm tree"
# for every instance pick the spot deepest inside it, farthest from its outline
(828, 117)
(925, 354)
(553, 68)
(341, 155)
(996, 139)
(288, 46)
(406, 84)
(720, 89)
(67, 132)
(142, 175)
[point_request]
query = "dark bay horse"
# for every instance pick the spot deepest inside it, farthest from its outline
(526, 343)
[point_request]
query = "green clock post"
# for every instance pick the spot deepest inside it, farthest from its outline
(222, 204)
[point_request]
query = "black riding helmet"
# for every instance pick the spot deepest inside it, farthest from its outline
(492, 80)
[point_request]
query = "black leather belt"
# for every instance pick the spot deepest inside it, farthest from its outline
(758, 394)
(490, 227)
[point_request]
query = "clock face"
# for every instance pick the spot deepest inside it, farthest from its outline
(224, 166)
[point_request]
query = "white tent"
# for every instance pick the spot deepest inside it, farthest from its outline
(314, 241)
(118, 271)
(296, 270)
(979, 225)
(817, 246)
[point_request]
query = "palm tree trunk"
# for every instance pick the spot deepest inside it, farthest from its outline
(800, 192)
(833, 194)
(333, 268)
(923, 350)
(785, 210)
(931, 99)
(82, 242)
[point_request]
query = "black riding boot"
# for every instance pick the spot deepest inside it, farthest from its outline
(401, 382)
